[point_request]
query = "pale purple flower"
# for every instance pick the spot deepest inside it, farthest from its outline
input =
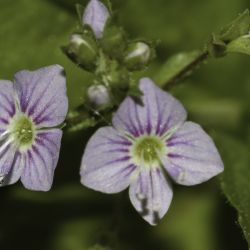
(149, 137)
(31, 108)
(96, 15)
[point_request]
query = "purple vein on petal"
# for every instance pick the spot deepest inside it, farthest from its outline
(34, 106)
(174, 169)
(175, 143)
(183, 157)
(177, 169)
(180, 136)
(151, 184)
(165, 126)
(149, 125)
(46, 147)
(117, 150)
(121, 141)
(138, 119)
(4, 121)
(160, 112)
(119, 160)
(127, 170)
(143, 186)
(11, 105)
(26, 96)
(131, 121)
(41, 113)
(125, 158)
(112, 143)
(40, 140)
(43, 118)
(37, 152)
(30, 160)
(128, 128)
(4, 150)
(189, 143)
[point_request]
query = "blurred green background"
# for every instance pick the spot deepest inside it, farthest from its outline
(70, 217)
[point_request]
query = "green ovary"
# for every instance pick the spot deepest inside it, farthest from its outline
(148, 149)
(22, 130)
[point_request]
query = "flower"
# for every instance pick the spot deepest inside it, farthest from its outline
(149, 136)
(30, 109)
(96, 15)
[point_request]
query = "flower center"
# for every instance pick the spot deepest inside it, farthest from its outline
(148, 149)
(22, 131)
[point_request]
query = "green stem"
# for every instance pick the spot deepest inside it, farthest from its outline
(194, 64)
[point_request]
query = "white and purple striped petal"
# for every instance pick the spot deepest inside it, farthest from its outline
(192, 156)
(41, 160)
(151, 194)
(42, 95)
(96, 15)
(7, 155)
(156, 113)
(7, 103)
(16, 170)
(106, 165)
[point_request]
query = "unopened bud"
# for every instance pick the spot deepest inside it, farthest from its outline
(98, 95)
(96, 15)
(82, 49)
(138, 56)
(114, 42)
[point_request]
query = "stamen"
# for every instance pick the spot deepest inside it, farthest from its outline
(22, 131)
(148, 148)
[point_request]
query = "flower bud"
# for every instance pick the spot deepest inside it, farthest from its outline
(114, 42)
(82, 49)
(98, 95)
(96, 15)
(138, 56)
(117, 75)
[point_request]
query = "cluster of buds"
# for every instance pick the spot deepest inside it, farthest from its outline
(102, 48)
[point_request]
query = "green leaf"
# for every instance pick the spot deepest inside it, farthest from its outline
(175, 66)
(239, 27)
(235, 179)
(240, 45)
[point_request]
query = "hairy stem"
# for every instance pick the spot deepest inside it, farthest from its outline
(199, 60)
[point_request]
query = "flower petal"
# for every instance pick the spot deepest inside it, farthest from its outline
(151, 195)
(41, 160)
(15, 171)
(192, 156)
(42, 95)
(7, 102)
(7, 154)
(106, 164)
(157, 113)
(96, 15)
